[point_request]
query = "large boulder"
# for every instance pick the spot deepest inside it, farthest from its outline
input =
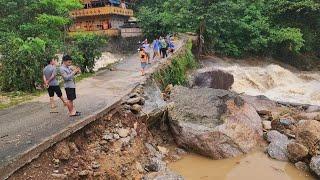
(308, 134)
(214, 123)
(213, 78)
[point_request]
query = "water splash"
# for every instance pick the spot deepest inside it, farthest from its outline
(275, 82)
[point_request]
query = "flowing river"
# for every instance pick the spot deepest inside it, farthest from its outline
(275, 82)
(272, 80)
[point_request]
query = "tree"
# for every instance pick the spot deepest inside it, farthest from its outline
(31, 32)
(86, 49)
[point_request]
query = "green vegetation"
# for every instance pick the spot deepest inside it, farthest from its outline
(34, 31)
(31, 32)
(281, 28)
(179, 66)
(86, 49)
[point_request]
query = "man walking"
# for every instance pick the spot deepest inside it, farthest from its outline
(69, 83)
(50, 82)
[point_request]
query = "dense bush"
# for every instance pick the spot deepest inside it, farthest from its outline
(239, 27)
(176, 74)
(86, 49)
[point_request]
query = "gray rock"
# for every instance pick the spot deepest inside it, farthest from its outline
(278, 150)
(315, 165)
(213, 78)
(108, 137)
(164, 175)
(274, 136)
(210, 122)
(302, 166)
(156, 165)
(313, 109)
(152, 150)
(123, 132)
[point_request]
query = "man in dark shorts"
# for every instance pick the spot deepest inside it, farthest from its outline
(69, 84)
(50, 82)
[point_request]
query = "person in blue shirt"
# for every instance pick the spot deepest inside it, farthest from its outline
(156, 48)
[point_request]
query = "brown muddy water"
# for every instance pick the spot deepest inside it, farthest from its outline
(277, 82)
(253, 166)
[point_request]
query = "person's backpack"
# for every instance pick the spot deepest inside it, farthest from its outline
(163, 44)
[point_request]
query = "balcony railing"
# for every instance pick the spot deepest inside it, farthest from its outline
(108, 32)
(101, 11)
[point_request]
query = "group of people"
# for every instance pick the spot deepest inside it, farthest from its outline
(68, 74)
(161, 47)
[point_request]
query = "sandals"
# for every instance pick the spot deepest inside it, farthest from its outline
(76, 114)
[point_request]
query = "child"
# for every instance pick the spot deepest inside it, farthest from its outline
(50, 82)
(69, 83)
(143, 60)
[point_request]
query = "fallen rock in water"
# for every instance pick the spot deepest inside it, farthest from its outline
(156, 165)
(164, 175)
(296, 151)
(277, 149)
(308, 134)
(213, 78)
(315, 165)
(62, 151)
(209, 122)
(302, 166)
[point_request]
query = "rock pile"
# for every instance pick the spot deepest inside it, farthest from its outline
(135, 100)
(293, 132)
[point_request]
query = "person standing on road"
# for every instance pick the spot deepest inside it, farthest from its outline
(164, 48)
(51, 83)
(156, 48)
(143, 60)
(146, 47)
(69, 83)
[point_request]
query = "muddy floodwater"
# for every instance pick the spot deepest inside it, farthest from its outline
(253, 166)
(277, 82)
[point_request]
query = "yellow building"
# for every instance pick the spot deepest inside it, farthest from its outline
(101, 17)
